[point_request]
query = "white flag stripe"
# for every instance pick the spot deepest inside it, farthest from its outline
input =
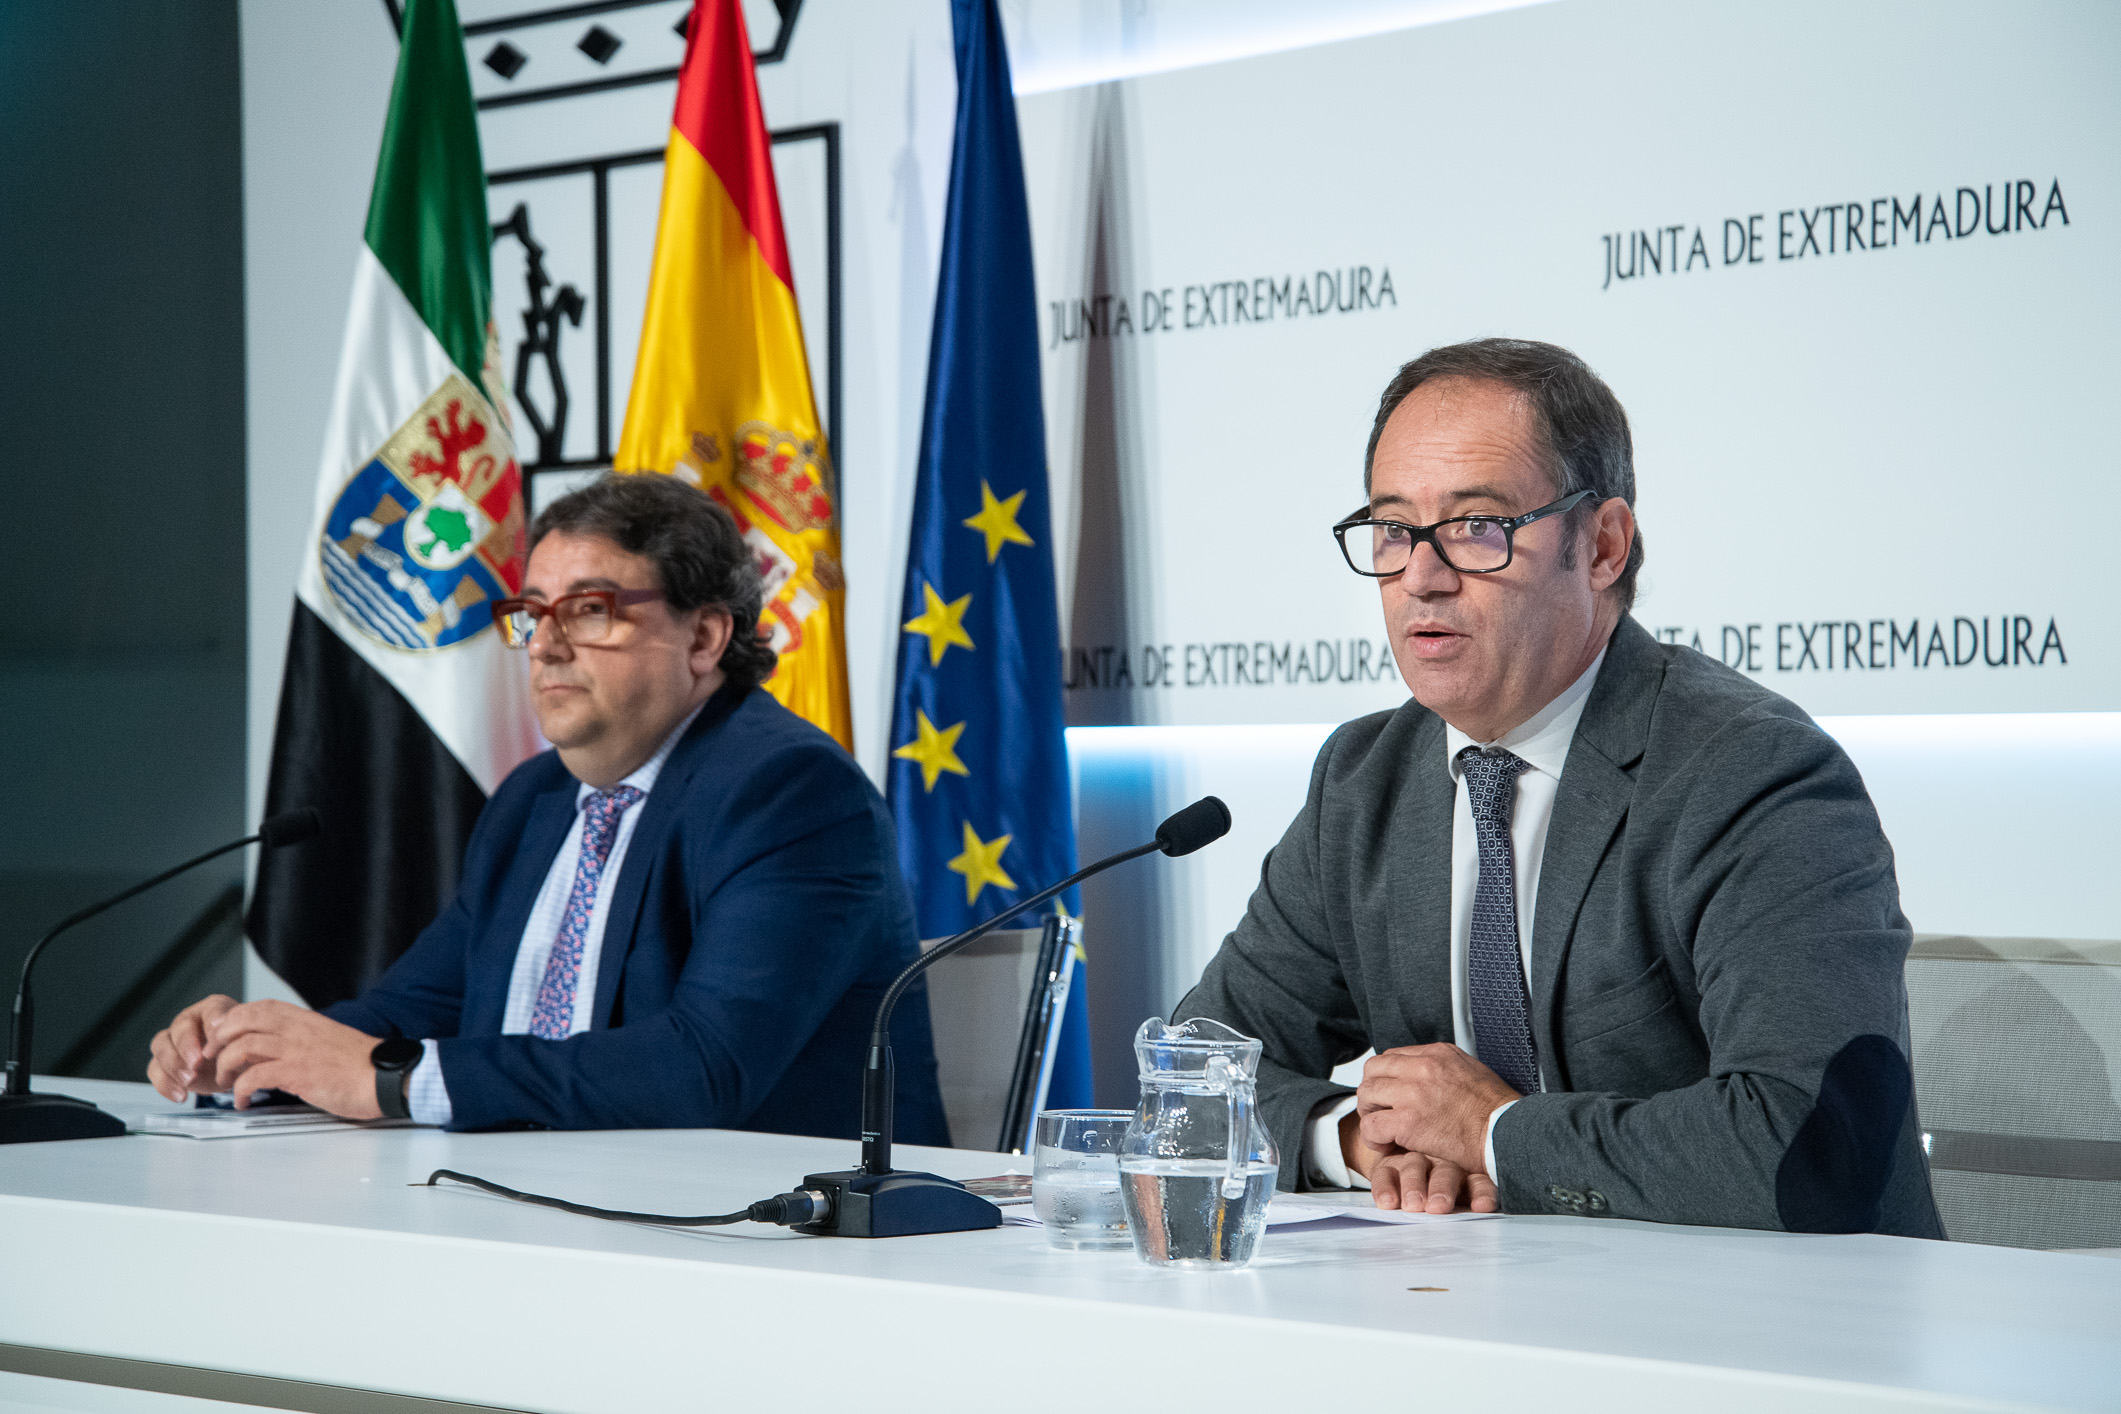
(474, 696)
(388, 363)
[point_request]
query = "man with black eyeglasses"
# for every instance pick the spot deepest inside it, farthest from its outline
(1620, 924)
(682, 916)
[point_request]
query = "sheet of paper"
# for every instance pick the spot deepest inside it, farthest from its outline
(1003, 1190)
(1310, 1208)
(254, 1122)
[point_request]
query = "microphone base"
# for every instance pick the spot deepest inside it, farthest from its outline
(900, 1203)
(36, 1118)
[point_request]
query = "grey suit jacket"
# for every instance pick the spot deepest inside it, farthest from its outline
(1717, 993)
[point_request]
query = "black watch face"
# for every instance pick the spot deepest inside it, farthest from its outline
(396, 1053)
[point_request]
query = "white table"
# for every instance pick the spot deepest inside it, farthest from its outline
(308, 1258)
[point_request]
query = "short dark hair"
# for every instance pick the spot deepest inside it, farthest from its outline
(698, 553)
(1583, 424)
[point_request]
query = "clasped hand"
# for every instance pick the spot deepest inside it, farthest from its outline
(1419, 1129)
(221, 1044)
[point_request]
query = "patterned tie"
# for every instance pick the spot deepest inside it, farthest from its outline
(1502, 1025)
(554, 1017)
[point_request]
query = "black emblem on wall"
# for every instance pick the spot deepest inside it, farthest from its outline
(541, 338)
(598, 45)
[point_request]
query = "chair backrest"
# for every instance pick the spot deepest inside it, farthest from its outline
(994, 1008)
(2017, 1068)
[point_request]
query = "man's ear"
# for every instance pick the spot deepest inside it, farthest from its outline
(711, 632)
(1612, 534)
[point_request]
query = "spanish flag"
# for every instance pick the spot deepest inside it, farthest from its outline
(721, 389)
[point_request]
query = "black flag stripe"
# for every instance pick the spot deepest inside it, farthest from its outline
(398, 807)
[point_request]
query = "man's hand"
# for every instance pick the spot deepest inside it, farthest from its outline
(1432, 1100)
(1414, 1182)
(277, 1046)
(173, 1056)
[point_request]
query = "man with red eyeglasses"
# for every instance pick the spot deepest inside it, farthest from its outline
(683, 915)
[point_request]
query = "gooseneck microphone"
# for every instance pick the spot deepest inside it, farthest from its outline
(27, 1117)
(876, 1200)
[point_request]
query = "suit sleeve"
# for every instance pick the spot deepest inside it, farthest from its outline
(797, 904)
(1780, 883)
(1278, 977)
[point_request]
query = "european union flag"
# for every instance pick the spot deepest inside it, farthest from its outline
(979, 771)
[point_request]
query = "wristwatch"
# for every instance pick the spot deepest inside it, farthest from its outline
(394, 1057)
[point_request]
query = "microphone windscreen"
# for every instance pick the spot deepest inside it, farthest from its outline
(1203, 822)
(291, 827)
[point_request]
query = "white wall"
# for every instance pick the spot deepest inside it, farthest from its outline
(316, 81)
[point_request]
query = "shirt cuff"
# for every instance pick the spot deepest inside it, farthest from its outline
(1488, 1149)
(1323, 1166)
(427, 1096)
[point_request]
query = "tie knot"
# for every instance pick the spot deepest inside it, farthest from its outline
(1489, 776)
(610, 804)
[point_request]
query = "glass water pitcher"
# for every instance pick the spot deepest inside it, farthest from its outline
(1196, 1166)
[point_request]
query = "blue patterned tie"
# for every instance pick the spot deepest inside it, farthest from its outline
(553, 1018)
(1502, 1024)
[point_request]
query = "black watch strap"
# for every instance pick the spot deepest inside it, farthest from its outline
(394, 1058)
(390, 1093)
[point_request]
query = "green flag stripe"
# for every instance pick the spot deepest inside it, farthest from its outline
(427, 215)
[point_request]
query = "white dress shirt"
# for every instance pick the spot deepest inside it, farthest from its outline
(1542, 743)
(426, 1092)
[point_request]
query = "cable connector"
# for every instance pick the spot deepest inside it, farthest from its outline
(803, 1205)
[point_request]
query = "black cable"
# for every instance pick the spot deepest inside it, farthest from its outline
(783, 1210)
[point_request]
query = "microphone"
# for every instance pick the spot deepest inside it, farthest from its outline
(29, 1118)
(1202, 823)
(877, 1200)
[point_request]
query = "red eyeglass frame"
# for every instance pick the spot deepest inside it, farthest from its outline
(539, 609)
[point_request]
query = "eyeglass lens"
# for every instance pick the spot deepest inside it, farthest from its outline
(584, 618)
(1472, 545)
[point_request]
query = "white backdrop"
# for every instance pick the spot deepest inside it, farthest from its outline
(1861, 319)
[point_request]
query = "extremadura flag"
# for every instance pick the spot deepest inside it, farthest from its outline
(979, 764)
(400, 710)
(721, 388)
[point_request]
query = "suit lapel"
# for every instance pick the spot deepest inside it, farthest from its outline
(1597, 787)
(551, 816)
(1418, 921)
(644, 851)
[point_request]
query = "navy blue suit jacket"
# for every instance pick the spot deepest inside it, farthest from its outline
(758, 917)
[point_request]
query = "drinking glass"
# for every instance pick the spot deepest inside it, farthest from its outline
(1075, 1178)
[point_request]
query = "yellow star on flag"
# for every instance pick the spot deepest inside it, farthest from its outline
(935, 751)
(941, 623)
(979, 864)
(997, 521)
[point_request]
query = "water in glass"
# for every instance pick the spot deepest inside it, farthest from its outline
(1075, 1178)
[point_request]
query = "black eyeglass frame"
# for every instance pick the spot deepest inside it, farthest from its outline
(1510, 526)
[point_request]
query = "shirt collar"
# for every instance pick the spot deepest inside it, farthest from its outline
(1541, 742)
(643, 778)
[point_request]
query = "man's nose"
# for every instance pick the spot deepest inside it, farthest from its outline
(547, 643)
(1426, 572)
